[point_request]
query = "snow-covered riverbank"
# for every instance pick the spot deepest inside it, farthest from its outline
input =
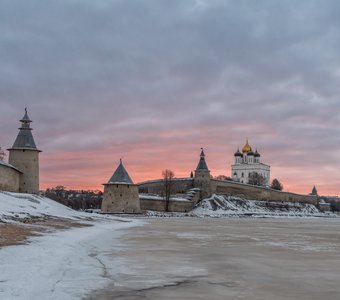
(63, 264)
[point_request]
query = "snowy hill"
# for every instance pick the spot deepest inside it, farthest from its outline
(220, 205)
(14, 206)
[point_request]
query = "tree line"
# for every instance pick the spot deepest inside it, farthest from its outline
(76, 199)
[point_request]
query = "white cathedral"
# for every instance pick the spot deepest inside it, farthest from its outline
(248, 162)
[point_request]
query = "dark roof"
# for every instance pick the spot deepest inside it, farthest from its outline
(120, 175)
(314, 191)
(257, 154)
(202, 165)
(26, 118)
(238, 153)
(25, 138)
(250, 153)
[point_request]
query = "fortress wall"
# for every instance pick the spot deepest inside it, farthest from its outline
(180, 186)
(158, 205)
(9, 179)
(258, 193)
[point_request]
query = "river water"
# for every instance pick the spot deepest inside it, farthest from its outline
(227, 258)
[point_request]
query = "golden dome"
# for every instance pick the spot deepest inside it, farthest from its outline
(246, 148)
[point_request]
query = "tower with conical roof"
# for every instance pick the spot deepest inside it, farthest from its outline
(314, 191)
(202, 176)
(24, 155)
(120, 193)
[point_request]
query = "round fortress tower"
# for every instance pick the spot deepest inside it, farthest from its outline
(24, 156)
(120, 193)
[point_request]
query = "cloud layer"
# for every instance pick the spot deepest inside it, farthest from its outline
(153, 81)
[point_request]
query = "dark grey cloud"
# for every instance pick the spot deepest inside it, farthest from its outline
(100, 73)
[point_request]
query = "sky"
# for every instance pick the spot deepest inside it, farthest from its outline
(153, 81)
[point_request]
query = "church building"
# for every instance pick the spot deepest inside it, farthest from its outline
(249, 162)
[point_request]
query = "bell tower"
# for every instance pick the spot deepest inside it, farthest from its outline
(24, 155)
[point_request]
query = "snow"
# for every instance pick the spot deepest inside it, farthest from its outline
(65, 264)
(61, 265)
(69, 264)
(20, 206)
(223, 206)
(160, 198)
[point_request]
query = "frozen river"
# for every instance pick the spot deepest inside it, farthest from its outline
(192, 258)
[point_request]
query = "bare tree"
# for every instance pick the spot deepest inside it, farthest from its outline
(60, 190)
(276, 185)
(256, 179)
(2, 154)
(168, 176)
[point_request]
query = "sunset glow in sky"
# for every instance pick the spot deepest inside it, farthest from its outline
(153, 81)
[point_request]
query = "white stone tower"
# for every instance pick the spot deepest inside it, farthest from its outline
(120, 193)
(24, 155)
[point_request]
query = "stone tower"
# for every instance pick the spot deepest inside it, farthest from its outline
(314, 191)
(202, 177)
(24, 156)
(120, 193)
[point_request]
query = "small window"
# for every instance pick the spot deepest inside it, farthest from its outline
(242, 176)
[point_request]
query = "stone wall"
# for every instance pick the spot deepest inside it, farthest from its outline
(26, 161)
(158, 205)
(324, 207)
(219, 187)
(180, 186)
(9, 179)
(257, 193)
(120, 198)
